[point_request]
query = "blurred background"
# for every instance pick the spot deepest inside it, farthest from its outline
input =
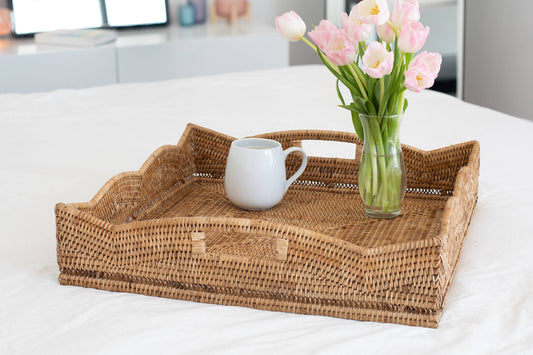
(484, 43)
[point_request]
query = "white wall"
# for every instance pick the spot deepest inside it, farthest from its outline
(262, 10)
(312, 11)
(498, 55)
(333, 10)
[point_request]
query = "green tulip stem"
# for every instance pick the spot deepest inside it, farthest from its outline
(306, 41)
(382, 84)
(315, 48)
(361, 86)
(394, 29)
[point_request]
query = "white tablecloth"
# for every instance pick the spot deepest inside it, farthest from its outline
(64, 145)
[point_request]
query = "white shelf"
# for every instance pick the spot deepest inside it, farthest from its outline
(141, 55)
(199, 50)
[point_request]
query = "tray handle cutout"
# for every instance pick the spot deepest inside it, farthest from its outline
(295, 138)
(282, 249)
(279, 251)
(198, 243)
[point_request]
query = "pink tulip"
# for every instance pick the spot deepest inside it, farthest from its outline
(433, 62)
(386, 33)
(356, 30)
(373, 12)
(322, 33)
(404, 12)
(412, 37)
(377, 61)
(334, 43)
(419, 78)
(291, 26)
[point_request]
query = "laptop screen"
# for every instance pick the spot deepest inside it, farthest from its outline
(33, 16)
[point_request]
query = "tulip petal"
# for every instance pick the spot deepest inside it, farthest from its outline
(291, 26)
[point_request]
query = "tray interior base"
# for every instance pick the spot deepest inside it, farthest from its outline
(337, 212)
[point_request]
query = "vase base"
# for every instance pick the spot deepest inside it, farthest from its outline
(378, 213)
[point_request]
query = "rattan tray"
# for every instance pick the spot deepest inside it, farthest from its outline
(168, 230)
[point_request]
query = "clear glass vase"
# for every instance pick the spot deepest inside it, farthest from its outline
(382, 171)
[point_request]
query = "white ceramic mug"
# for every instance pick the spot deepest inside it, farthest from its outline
(255, 173)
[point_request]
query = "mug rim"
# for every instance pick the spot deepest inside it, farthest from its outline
(275, 144)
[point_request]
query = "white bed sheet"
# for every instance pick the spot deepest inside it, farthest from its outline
(64, 145)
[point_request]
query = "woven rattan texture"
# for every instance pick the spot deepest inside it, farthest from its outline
(168, 230)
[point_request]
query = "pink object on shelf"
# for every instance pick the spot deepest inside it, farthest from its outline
(224, 8)
(230, 10)
(5, 21)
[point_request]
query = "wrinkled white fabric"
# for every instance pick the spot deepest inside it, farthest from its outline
(64, 145)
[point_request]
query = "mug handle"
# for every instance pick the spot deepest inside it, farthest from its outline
(299, 172)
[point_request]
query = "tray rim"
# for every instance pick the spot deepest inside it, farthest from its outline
(368, 251)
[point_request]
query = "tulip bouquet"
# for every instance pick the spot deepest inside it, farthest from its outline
(377, 74)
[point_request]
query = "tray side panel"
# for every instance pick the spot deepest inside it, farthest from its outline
(84, 242)
(238, 254)
(328, 308)
(210, 151)
(315, 267)
(117, 200)
(406, 276)
(457, 217)
(170, 167)
(319, 276)
(443, 165)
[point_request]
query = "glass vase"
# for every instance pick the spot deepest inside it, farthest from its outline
(382, 171)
